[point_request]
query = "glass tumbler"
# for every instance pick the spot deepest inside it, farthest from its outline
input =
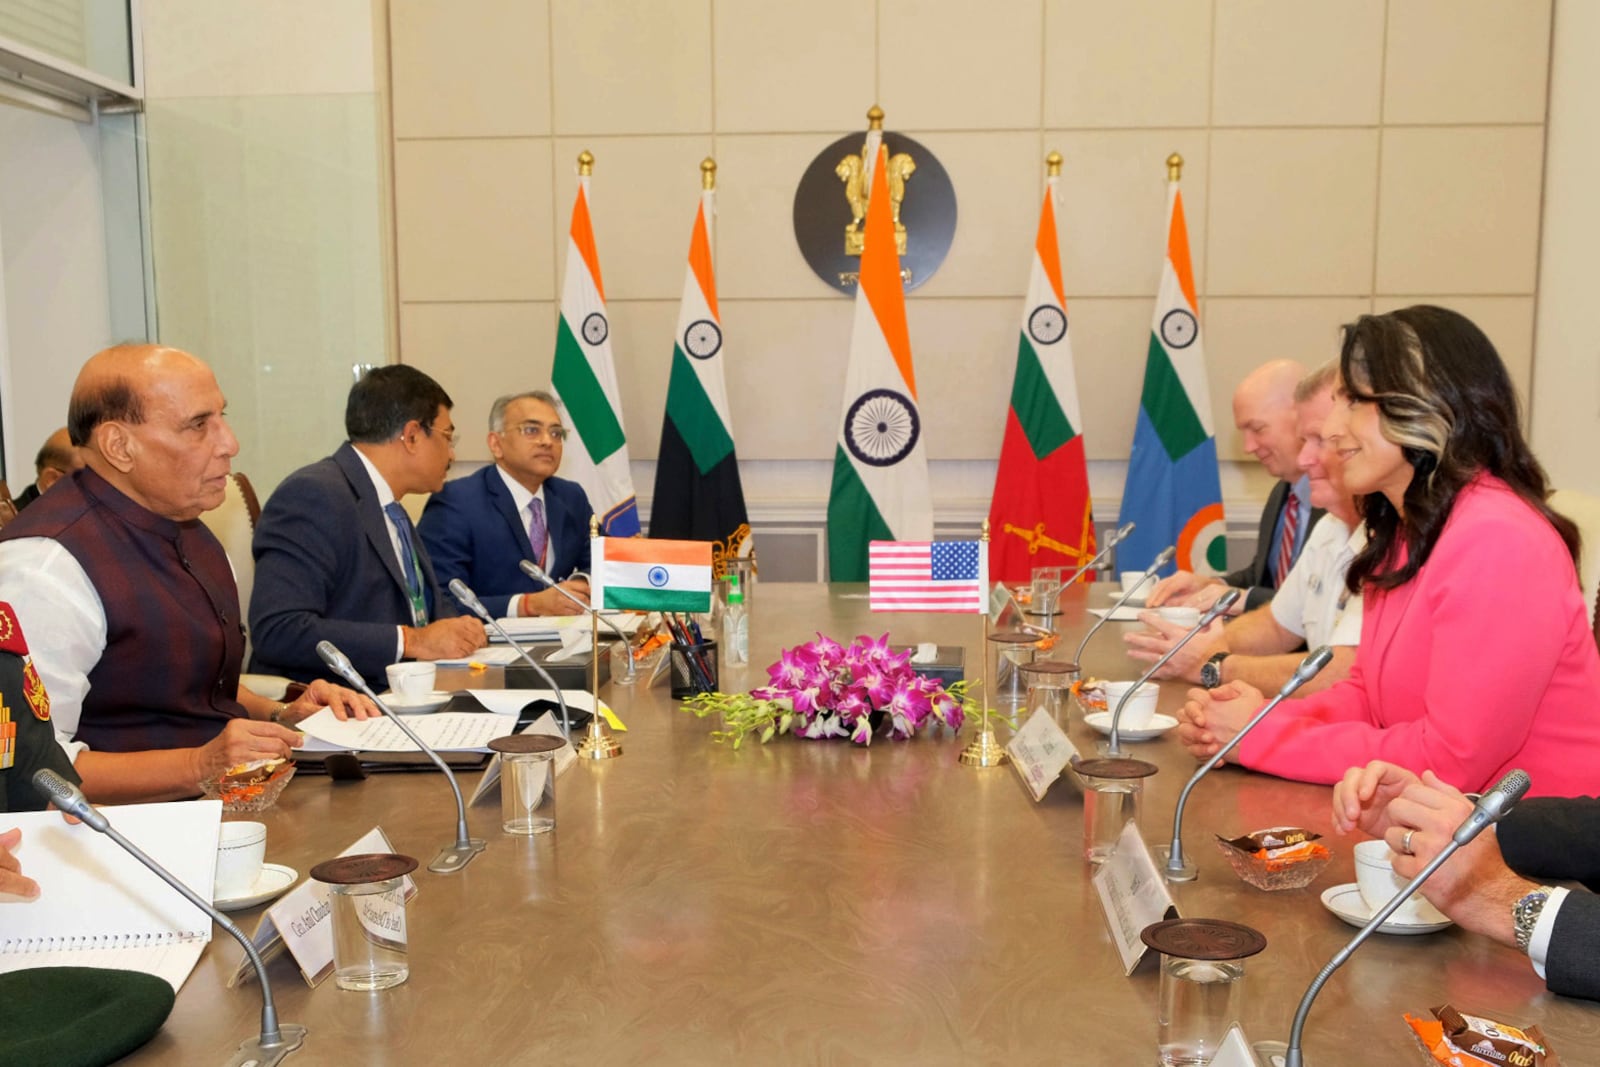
(368, 902)
(527, 782)
(1048, 683)
(1012, 649)
(1112, 791)
(1202, 985)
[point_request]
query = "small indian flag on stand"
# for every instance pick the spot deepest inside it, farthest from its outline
(631, 573)
(928, 576)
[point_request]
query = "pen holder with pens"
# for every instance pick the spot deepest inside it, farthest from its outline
(694, 669)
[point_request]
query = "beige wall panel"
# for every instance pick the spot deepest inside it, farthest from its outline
(1241, 334)
(785, 369)
(1126, 63)
(1506, 320)
(473, 220)
(786, 67)
(1292, 211)
(641, 343)
(621, 66)
(1297, 62)
(1451, 61)
(999, 179)
(947, 65)
(966, 355)
(479, 352)
(240, 47)
(1459, 210)
(757, 255)
(1109, 340)
(1112, 221)
(470, 68)
(642, 199)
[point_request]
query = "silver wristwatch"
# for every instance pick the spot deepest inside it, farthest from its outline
(1525, 915)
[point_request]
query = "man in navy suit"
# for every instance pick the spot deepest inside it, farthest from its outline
(1492, 886)
(479, 528)
(338, 559)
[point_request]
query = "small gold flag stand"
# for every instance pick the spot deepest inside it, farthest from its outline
(984, 750)
(597, 744)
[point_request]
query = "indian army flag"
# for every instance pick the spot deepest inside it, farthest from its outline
(698, 495)
(649, 574)
(1041, 514)
(585, 379)
(880, 467)
(1173, 492)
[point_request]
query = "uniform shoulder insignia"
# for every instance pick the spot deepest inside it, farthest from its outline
(11, 631)
(33, 692)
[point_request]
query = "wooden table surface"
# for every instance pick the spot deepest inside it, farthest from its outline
(817, 902)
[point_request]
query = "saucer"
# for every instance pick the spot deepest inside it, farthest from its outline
(1159, 724)
(420, 706)
(1345, 901)
(1137, 600)
(271, 882)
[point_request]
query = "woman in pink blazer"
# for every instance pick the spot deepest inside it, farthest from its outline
(1476, 652)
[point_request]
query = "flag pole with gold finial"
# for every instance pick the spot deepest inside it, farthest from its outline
(1174, 167)
(596, 744)
(984, 750)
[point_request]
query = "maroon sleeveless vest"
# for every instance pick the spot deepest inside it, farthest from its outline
(169, 676)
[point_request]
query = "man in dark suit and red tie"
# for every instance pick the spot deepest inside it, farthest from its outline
(481, 527)
(1264, 412)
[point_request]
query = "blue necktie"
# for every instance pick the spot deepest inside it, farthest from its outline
(408, 563)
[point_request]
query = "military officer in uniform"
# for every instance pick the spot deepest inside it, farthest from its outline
(27, 745)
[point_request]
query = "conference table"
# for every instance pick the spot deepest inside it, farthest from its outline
(820, 902)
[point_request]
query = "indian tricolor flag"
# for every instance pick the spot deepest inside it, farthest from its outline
(698, 494)
(631, 573)
(1041, 516)
(1173, 492)
(585, 379)
(880, 467)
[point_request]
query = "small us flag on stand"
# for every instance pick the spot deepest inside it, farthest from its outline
(928, 576)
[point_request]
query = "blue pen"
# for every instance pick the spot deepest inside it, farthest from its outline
(694, 628)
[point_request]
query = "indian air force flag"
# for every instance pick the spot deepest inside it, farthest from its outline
(585, 378)
(631, 573)
(1173, 492)
(928, 576)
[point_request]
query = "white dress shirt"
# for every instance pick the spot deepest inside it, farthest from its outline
(1313, 601)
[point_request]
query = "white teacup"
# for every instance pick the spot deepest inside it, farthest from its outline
(413, 681)
(1130, 580)
(1141, 707)
(1378, 883)
(1187, 618)
(241, 848)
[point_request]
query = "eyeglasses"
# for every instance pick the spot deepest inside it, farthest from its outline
(534, 430)
(448, 435)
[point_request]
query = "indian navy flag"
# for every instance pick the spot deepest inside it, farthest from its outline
(928, 576)
(650, 575)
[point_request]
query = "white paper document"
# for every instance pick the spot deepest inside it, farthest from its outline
(1126, 613)
(100, 907)
(550, 627)
(451, 731)
(496, 656)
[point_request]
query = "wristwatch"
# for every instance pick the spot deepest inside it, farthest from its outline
(1525, 914)
(1211, 671)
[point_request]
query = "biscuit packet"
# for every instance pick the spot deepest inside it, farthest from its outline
(1280, 847)
(1459, 1040)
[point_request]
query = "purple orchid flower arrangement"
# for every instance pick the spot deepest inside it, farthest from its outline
(825, 689)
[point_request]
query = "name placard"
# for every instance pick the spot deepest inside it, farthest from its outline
(1133, 894)
(1235, 1051)
(1039, 752)
(299, 921)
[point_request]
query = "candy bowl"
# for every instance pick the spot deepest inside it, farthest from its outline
(250, 787)
(1282, 857)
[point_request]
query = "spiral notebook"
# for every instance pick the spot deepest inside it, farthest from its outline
(100, 907)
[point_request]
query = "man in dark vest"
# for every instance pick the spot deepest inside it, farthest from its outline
(129, 602)
(56, 459)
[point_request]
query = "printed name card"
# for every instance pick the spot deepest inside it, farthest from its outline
(1039, 752)
(1235, 1051)
(300, 921)
(1133, 894)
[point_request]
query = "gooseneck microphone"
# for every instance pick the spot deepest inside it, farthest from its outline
(470, 601)
(275, 1041)
(1177, 868)
(1490, 808)
(1112, 539)
(1160, 561)
(451, 858)
(539, 574)
(1223, 603)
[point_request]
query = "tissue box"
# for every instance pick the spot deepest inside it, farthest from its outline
(948, 666)
(568, 674)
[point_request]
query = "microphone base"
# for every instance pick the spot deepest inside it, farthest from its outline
(1106, 748)
(1185, 871)
(1273, 1054)
(453, 857)
(597, 744)
(252, 1053)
